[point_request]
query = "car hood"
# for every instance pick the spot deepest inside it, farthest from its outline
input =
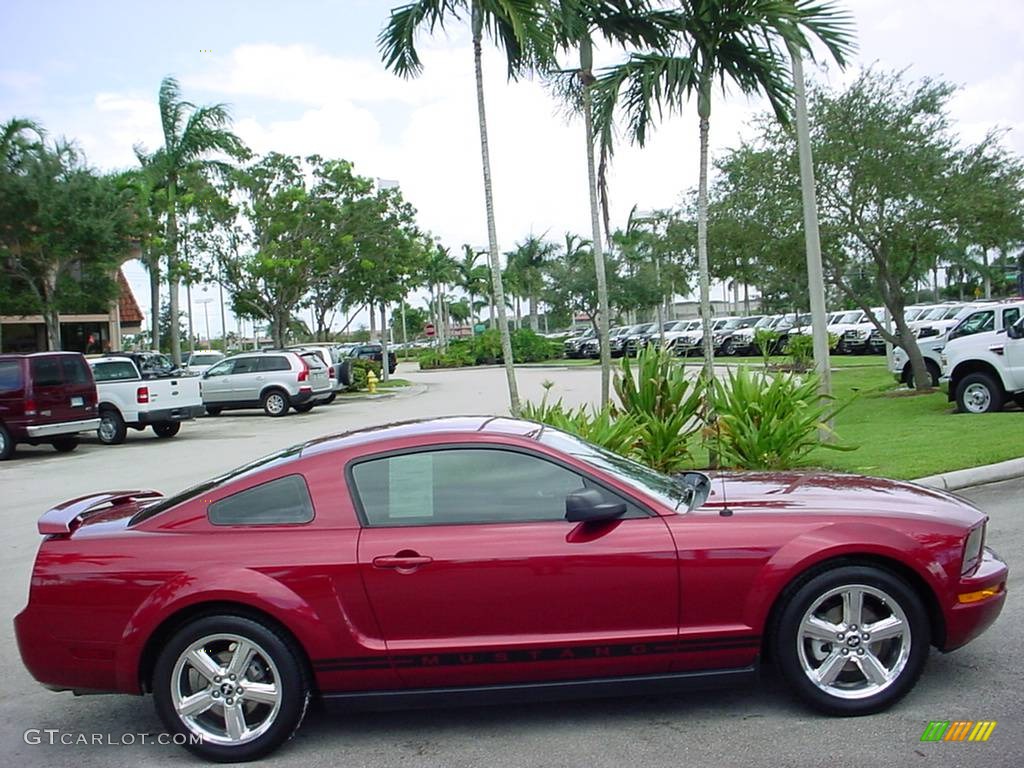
(817, 492)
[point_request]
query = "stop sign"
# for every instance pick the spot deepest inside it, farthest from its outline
(429, 328)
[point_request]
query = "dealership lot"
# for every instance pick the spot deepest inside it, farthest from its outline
(733, 727)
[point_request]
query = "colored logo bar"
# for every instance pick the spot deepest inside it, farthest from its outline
(958, 730)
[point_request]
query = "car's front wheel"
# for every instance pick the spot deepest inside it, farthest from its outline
(852, 640)
(6, 444)
(979, 393)
(234, 688)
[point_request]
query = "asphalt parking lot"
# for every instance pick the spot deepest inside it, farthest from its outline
(760, 725)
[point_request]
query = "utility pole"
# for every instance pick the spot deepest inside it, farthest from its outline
(815, 275)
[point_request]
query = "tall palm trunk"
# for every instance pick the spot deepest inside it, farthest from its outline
(153, 265)
(383, 341)
(172, 268)
(704, 110)
(492, 234)
(586, 67)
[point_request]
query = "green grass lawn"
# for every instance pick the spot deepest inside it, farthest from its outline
(836, 361)
(392, 383)
(907, 436)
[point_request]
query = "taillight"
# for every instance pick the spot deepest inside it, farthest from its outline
(142, 395)
(331, 373)
(304, 373)
(30, 408)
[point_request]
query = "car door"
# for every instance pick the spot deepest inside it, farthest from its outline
(475, 576)
(52, 401)
(217, 382)
(247, 379)
(1014, 354)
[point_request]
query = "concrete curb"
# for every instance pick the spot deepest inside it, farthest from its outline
(964, 478)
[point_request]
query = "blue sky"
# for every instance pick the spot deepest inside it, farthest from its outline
(305, 77)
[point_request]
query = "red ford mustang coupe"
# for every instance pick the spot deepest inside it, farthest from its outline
(487, 557)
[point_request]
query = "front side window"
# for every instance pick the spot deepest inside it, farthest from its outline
(979, 322)
(246, 365)
(221, 369)
(284, 501)
(464, 485)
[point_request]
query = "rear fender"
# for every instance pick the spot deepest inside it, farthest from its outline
(216, 585)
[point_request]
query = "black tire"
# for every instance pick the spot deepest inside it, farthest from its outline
(304, 407)
(167, 428)
(7, 444)
(330, 399)
(728, 348)
(213, 410)
(933, 371)
(1018, 399)
(277, 660)
(979, 393)
(112, 429)
(275, 403)
(903, 657)
(65, 444)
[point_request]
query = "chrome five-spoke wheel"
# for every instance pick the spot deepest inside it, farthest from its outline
(235, 687)
(852, 639)
(225, 688)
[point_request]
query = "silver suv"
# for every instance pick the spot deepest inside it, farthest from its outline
(273, 380)
(332, 356)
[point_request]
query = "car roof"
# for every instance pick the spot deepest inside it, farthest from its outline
(449, 425)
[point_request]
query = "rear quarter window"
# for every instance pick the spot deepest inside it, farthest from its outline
(284, 501)
(273, 363)
(76, 370)
(10, 376)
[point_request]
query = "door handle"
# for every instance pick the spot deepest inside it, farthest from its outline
(402, 561)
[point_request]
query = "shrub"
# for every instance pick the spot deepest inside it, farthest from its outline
(801, 350)
(486, 347)
(769, 421)
(666, 406)
(357, 373)
(458, 355)
(531, 347)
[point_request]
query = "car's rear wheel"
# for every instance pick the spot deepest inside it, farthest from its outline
(235, 685)
(330, 399)
(979, 393)
(275, 403)
(852, 640)
(304, 407)
(212, 410)
(112, 429)
(167, 428)
(6, 444)
(65, 444)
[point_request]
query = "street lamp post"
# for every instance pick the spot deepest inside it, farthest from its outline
(205, 301)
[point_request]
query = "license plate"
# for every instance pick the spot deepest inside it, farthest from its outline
(77, 402)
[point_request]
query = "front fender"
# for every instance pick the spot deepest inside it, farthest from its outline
(835, 541)
(215, 584)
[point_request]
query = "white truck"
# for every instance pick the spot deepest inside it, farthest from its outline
(127, 398)
(981, 371)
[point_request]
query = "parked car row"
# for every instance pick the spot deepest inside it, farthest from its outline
(54, 397)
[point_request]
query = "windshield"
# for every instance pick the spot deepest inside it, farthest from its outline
(747, 322)
(934, 313)
(804, 319)
(765, 322)
(199, 359)
(643, 328)
(952, 312)
(731, 323)
(851, 317)
(660, 487)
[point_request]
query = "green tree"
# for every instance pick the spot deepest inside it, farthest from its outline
(529, 261)
(471, 277)
(517, 27)
(64, 229)
(191, 135)
(742, 42)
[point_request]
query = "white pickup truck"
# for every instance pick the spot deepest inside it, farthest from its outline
(982, 371)
(129, 399)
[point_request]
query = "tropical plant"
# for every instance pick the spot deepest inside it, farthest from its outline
(517, 27)
(528, 263)
(666, 406)
(769, 421)
(603, 426)
(742, 42)
(191, 135)
(575, 23)
(800, 348)
(766, 341)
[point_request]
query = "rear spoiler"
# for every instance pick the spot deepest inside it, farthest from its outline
(65, 517)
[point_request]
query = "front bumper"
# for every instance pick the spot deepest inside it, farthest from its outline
(184, 413)
(40, 431)
(965, 621)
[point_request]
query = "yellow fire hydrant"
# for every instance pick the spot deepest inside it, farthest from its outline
(371, 382)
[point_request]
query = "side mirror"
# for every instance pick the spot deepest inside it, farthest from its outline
(591, 506)
(1015, 331)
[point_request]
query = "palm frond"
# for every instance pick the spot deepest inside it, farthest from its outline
(397, 41)
(172, 110)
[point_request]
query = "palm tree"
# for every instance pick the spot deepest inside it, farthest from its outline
(517, 27)
(624, 23)
(744, 43)
(528, 261)
(191, 134)
(439, 271)
(472, 277)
